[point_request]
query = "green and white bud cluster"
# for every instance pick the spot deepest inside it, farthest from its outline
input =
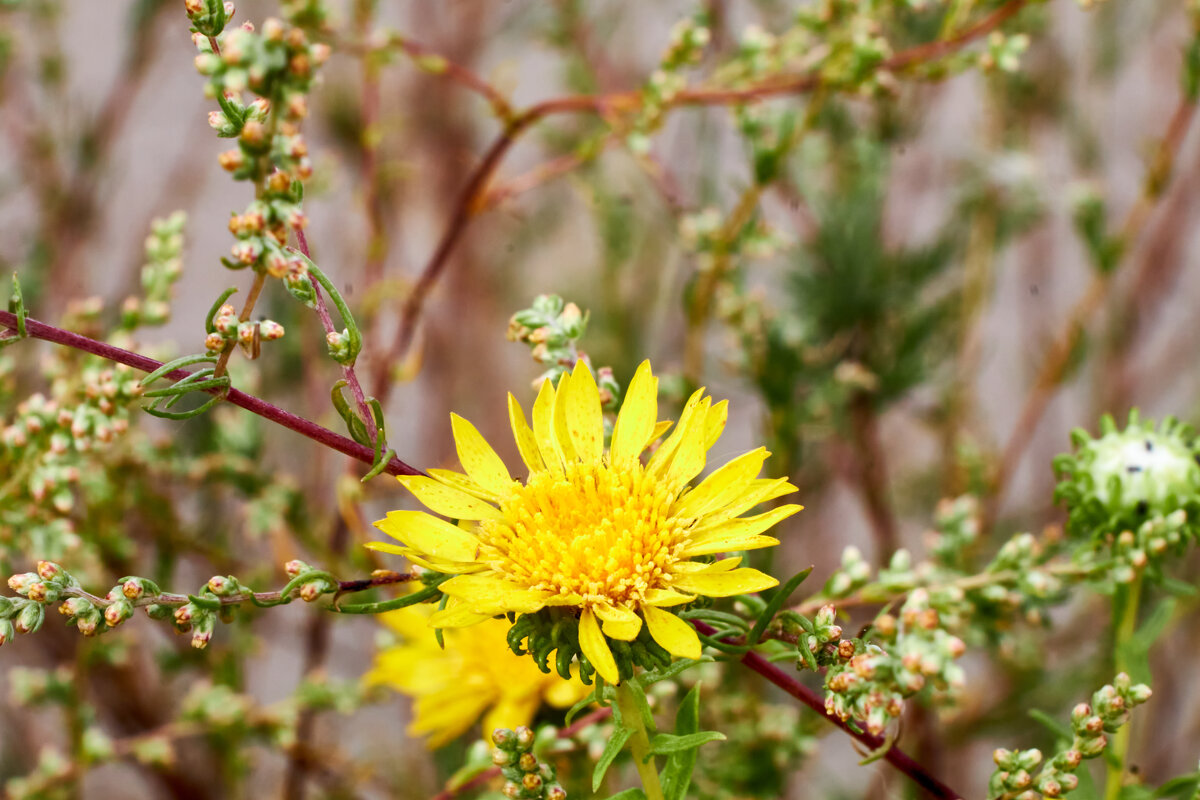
(552, 329)
(1136, 490)
(196, 614)
(277, 65)
(689, 38)
(906, 653)
(1017, 777)
(228, 329)
(1004, 52)
(525, 776)
(163, 267)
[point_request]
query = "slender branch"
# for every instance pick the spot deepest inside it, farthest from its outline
(319, 434)
(348, 372)
(894, 755)
(474, 194)
(1057, 361)
(379, 578)
(433, 61)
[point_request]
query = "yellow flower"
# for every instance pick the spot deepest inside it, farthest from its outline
(590, 529)
(476, 672)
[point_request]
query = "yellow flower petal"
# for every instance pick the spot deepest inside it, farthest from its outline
(463, 484)
(725, 584)
(619, 623)
(446, 716)
(510, 712)
(448, 501)
(595, 648)
(689, 458)
(526, 441)
(543, 429)
(722, 486)
(705, 538)
(714, 424)
(562, 434)
(582, 414)
(635, 422)
(430, 535)
(692, 567)
(663, 598)
(726, 543)
(660, 428)
(666, 451)
(757, 491)
(488, 595)
(457, 615)
(676, 636)
(478, 458)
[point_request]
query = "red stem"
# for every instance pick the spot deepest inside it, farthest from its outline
(894, 756)
(49, 333)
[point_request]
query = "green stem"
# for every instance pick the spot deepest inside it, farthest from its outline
(1126, 603)
(639, 742)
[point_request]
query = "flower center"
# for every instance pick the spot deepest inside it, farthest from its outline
(605, 534)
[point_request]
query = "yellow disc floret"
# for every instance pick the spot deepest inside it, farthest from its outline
(606, 535)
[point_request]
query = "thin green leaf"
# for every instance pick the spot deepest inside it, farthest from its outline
(352, 331)
(776, 602)
(665, 743)
(209, 325)
(1059, 730)
(183, 387)
(180, 415)
(1135, 652)
(428, 593)
(677, 773)
(580, 706)
(179, 363)
(635, 793)
(612, 749)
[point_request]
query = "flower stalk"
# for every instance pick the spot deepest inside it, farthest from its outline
(639, 741)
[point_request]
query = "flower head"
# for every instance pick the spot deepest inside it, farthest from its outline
(592, 533)
(476, 674)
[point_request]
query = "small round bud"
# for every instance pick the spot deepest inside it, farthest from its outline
(295, 567)
(525, 737)
(231, 160)
(270, 330)
(532, 782)
(48, 570)
(527, 762)
(501, 758)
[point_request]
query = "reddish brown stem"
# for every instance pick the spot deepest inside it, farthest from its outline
(894, 756)
(334, 441)
(472, 198)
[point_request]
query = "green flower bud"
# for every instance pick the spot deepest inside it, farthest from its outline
(30, 618)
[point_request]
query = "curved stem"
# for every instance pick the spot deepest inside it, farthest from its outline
(319, 434)
(639, 742)
(1126, 602)
(894, 755)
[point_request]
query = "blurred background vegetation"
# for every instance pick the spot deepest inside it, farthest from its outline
(911, 280)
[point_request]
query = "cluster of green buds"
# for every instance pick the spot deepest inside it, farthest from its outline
(1137, 489)
(854, 45)
(526, 777)
(163, 267)
(196, 614)
(955, 530)
(1015, 778)
(549, 631)
(1004, 52)
(227, 328)
(552, 329)
(819, 641)
(689, 38)
(704, 233)
(276, 64)
(310, 581)
(907, 652)
(853, 574)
